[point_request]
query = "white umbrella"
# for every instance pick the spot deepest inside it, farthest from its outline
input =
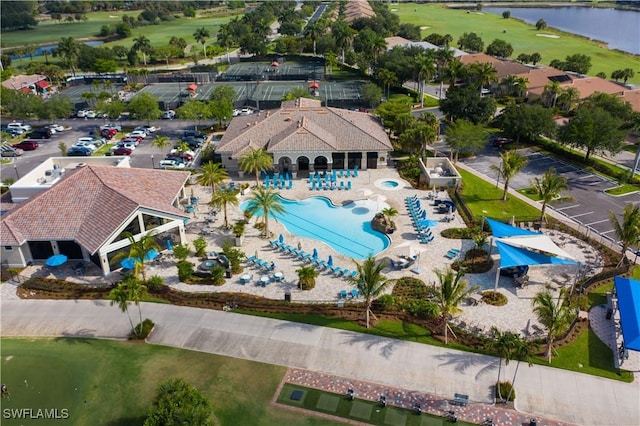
(414, 251)
(365, 192)
(377, 198)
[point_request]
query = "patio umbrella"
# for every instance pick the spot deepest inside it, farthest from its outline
(428, 223)
(128, 263)
(314, 256)
(414, 252)
(365, 192)
(330, 261)
(150, 255)
(378, 198)
(56, 260)
(418, 204)
(169, 245)
(281, 238)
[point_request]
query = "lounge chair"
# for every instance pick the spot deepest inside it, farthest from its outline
(342, 294)
(335, 269)
(290, 184)
(320, 264)
(354, 294)
(353, 274)
(250, 259)
(349, 185)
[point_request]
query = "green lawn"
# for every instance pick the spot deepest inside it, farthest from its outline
(50, 32)
(481, 196)
(357, 410)
(523, 37)
(104, 382)
(622, 189)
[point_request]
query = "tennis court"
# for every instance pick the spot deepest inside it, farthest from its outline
(277, 70)
(74, 93)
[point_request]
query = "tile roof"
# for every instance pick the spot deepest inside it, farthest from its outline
(633, 97)
(305, 126)
(355, 9)
(90, 203)
(503, 68)
(539, 77)
(589, 85)
(17, 82)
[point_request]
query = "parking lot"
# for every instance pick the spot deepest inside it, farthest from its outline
(585, 202)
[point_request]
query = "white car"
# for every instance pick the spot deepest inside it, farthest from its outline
(246, 111)
(129, 145)
(89, 145)
(55, 128)
(236, 112)
(111, 126)
(148, 129)
(19, 126)
(171, 164)
(93, 141)
(168, 115)
(90, 114)
(137, 134)
(178, 151)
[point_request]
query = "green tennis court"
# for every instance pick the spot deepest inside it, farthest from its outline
(278, 69)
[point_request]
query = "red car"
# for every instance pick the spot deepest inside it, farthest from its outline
(122, 151)
(27, 145)
(108, 133)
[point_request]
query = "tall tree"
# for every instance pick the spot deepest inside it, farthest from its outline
(555, 315)
(178, 403)
(370, 282)
(425, 69)
(503, 343)
(256, 160)
(452, 290)
(69, 50)
(548, 188)
(139, 248)
(387, 78)
(144, 106)
(511, 163)
(268, 203)
(524, 122)
(223, 199)
(212, 174)
(551, 92)
(628, 231)
(161, 142)
(137, 290)
(568, 98)
(119, 295)
(201, 35)
(522, 352)
(483, 74)
(142, 44)
(466, 137)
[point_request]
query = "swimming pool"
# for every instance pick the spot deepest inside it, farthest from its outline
(347, 229)
(389, 184)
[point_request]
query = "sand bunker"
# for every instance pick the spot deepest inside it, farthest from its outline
(394, 10)
(547, 35)
(424, 28)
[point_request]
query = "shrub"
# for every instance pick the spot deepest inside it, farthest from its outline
(458, 233)
(200, 244)
(181, 251)
(235, 256)
(422, 309)
(505, 389)
(146, 327)
(494, 298)
(410, 288)
(386, 302)
(185, 270)
(217, 275)
(155, 282)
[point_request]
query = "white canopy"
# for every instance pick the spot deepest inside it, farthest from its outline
(540, 242)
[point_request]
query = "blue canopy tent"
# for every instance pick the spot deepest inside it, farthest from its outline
(628, 292)
(520, 247)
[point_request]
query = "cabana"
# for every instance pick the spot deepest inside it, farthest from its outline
(628, 294)
(521, 247)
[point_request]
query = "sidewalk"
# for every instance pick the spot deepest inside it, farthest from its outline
(542, 391)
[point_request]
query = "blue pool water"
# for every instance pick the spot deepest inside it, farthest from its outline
(347, 229)
(389, 184)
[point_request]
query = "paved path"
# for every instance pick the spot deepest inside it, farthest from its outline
(557, 394)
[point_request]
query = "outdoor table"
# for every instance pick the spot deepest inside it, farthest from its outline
(245, 278)
(212, 255)
(264, 280)
(207, 230)
(278, 276)
(475, 299)
(206, 266)
(210, 218)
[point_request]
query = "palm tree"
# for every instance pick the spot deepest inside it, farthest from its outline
(256, 160)
(568, 98)
(390, 212)
(444, 57)
(224, 198)
(511, 163)
(69, 49)
(306, 277)
(343, 34)
(549, 188)
(453, 290)
(507, 84)
(387, 78)
(520, 85)
(484, 74)
(201, 35)
(212, 174)
(160, 142)
(370, 282)
(425, 69)
(136, 291)
(314, 31)
(504, 345)
(522, 352)
(142, 44)
(628, 231)
(120, 295)
(455, 71)
(137, 251)
(555, 315)
(268, 202)
(225, 39)
(551, 92)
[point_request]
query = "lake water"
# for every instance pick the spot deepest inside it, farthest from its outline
(48, 48)
(619, 28)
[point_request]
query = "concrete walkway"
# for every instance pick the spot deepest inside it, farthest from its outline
(543, 391)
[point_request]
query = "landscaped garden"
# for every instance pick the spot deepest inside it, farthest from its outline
(109, 382)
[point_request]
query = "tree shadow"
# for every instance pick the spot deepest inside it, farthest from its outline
(386, 346)
(128, 421)
(465, 361)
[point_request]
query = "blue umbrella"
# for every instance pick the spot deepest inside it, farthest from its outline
(428, 223)
(169, 245)
(330, 261)
(150, 255)
(281, 238)
(314, 256)
(56, 260)
(128, 263)
(424, 214)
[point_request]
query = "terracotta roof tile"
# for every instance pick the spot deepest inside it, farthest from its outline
(633, 97)
(89, 204)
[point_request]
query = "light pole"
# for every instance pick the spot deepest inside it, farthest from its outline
(15, 168)
(153, 163)
(199, 118)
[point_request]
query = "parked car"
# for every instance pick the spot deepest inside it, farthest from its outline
(127, 145)
(87, 145)
(94, 141)
(138, 134)
(182, 156)
(81, 113)
(55, 128)
(9, 151)
(19, 126)
(108, 133)
(246, 111)
(499, 142)
(132, 140)
(42, 133)
(78, 151)
(236, 112)
(27, 145)
(90, 113)
(195, 134)
(177, 151)
(117, 127)
(168, 115)
(122, 151)
(171, 164)
(147, 129)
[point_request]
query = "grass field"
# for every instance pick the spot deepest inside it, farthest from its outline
(50, 32)
(103, 382)
(523, 37)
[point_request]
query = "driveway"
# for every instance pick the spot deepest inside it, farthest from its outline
(563, 395)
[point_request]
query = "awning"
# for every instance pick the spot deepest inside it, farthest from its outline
(192, 87)
(537, 242)
(26, 90)
(515, 256)
(275, 64)
(43, 84)
(628, 292)
(499, 229)
(314, 85)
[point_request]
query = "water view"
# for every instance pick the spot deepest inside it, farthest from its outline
(619, 28)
